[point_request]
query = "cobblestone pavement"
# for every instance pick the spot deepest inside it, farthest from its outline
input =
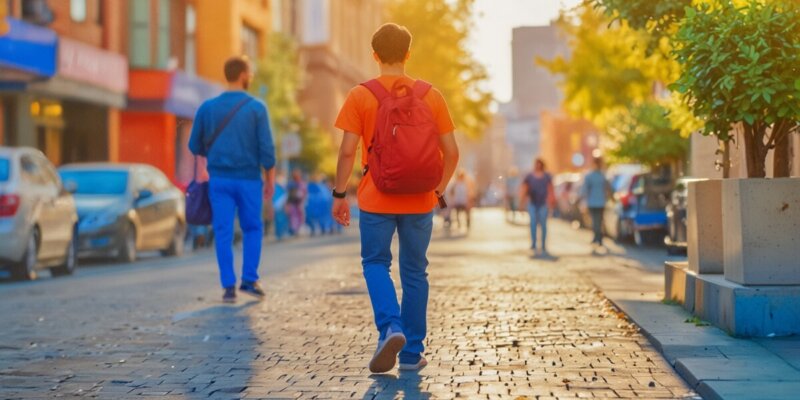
(501, 325)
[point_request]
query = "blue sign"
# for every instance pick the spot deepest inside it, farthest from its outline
(28, 49)
(188, 93)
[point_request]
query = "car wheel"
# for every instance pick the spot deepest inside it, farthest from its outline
(127, 249)
(26, 268)
(178, 243)
(70, 259)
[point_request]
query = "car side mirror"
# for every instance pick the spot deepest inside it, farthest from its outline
(144, 194)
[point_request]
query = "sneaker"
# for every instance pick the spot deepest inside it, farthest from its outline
(230, 295)
(386, 355)
(413, 366)
(253, 289)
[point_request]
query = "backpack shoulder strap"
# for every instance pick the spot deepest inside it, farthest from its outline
(224, 122)
(377, 89)
(421, 88)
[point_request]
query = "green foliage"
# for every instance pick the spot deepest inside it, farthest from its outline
(644, 134)
(741, 63)
(655, 16)
(277, 81)
(610, 79)
(440, 55)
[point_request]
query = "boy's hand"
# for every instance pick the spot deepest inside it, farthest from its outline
(341, 211)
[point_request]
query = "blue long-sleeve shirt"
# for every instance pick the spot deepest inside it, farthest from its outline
(244, 146)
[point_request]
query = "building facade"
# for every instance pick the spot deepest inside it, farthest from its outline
(335, 53)
(71, 108)
(567, 144)
(534, 89)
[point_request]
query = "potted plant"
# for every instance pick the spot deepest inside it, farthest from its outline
(741, 75)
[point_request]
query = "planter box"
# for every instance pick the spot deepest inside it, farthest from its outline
(704, 227)
(761, 219)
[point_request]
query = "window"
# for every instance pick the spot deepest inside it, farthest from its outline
(5, 169)
(140, 33)
(31, 173)
(163, 33)
(96, 182)
(190, 60)
(250, 42)
(77, 10)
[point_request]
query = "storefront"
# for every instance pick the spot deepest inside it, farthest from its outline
(27, 55)
(155, 127)
(85, 95)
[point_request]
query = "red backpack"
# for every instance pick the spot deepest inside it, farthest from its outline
(404, 156)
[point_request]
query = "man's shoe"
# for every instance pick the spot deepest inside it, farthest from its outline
(229, 296)
(386, 355)
(253, 289)
(413, 366)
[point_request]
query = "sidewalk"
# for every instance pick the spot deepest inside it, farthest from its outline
(715, 364)
(501, 325)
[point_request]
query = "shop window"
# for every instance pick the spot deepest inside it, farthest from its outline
(140, 33)
(163, 33)
(190, 57)
(37, 12)
(249, 42)
(77, 10)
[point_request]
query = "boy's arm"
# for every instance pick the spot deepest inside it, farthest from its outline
(449, 147)
(344, 168)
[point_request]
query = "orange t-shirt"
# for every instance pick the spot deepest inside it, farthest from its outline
(358, 115)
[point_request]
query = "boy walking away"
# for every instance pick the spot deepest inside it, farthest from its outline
(409, 156)
(596, 190)
(537, 189)
(232, 130)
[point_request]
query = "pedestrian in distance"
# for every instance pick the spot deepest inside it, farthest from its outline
(233, 132)
(512, 188)
(295, 206)
(595, 191)
(461, 196)
(407, 120)
(537, 192)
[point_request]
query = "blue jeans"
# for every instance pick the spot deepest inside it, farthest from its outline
(228, 196)
(410, 317)
(538, 217)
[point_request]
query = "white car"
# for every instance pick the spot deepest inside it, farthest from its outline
(37, 216)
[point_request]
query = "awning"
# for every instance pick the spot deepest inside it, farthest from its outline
(87, 73)
(173, 92)
(27, 52)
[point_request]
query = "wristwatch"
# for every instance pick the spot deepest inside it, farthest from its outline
(337, 195)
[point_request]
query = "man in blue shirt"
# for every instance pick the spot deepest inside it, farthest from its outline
(233, 131)
(595, 191)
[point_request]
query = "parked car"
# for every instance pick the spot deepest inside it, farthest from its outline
(638, 210)
(676, 217)
(37, 216)
(124, 209)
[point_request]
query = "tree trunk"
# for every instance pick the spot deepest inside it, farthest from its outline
(781, 157)
(755, 151)
(726, 159)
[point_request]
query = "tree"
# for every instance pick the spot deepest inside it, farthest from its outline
(610, 78)
(657, 17)
(277, 81)
(439, 54)
(740, 64)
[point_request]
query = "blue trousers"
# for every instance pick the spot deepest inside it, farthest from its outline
(228, 196)
(410, 317)
(538, 217)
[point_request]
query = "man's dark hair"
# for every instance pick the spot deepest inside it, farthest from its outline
(234, 68)
(391, 42)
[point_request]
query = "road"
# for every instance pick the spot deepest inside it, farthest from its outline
(502, 325)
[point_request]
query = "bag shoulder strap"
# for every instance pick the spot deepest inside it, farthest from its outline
(377, 89)
(421, 88)
(224, 123)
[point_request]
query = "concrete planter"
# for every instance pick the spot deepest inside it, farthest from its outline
(704, 227)
(761, 236)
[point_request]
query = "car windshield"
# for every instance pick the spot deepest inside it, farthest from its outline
(96, 182)
(5, 169)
